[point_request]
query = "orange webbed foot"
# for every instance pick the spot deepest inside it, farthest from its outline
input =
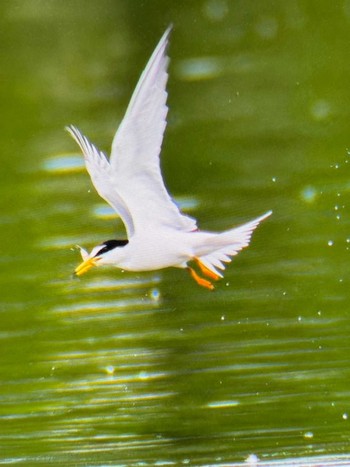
(206, 271)
(200, 280)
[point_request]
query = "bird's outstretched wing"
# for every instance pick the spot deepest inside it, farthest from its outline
(131, 181)
(136, 148)
(102, 177)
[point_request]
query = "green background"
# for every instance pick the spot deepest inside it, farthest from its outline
(150, 369)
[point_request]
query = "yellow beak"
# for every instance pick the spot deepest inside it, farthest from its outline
(85, 266)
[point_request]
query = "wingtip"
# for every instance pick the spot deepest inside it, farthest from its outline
(70, 129)
(165, 37)
(169, 29)
(265, 216)
(73, 131)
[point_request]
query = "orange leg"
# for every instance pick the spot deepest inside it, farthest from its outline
(200, 280)
(207, 272)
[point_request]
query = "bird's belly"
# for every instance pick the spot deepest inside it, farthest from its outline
(155, 253)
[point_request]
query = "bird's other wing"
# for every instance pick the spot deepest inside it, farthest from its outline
(136, 148)
(102, 177)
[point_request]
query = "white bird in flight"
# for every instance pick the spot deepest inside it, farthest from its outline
(159, 235)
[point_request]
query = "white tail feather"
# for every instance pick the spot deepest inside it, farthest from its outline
(229, 243)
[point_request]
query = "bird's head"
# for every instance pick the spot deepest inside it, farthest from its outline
(99, 255)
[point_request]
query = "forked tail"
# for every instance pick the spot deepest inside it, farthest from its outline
(229, 243)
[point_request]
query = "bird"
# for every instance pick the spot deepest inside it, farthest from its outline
(159, 235)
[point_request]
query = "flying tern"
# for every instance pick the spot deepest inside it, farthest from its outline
(159, 235)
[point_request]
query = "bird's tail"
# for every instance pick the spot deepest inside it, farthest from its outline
(220, 247)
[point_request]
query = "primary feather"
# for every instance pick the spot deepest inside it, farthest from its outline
(131, 181)
(102, 177)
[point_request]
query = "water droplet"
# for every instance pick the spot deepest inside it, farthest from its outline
(309, 194)
(155, 295)
(109, 370)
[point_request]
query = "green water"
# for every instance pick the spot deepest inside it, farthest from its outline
(145, 369)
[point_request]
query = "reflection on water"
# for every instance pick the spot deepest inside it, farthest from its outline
(119, 368)
(200, 68)
(64, 163)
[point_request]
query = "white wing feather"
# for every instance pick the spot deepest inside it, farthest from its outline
(102, 177)
(131, 181)
(136, 148)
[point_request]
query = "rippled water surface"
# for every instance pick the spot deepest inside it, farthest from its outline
(150, 369)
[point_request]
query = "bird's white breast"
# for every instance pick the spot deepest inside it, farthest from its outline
(156, 250)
